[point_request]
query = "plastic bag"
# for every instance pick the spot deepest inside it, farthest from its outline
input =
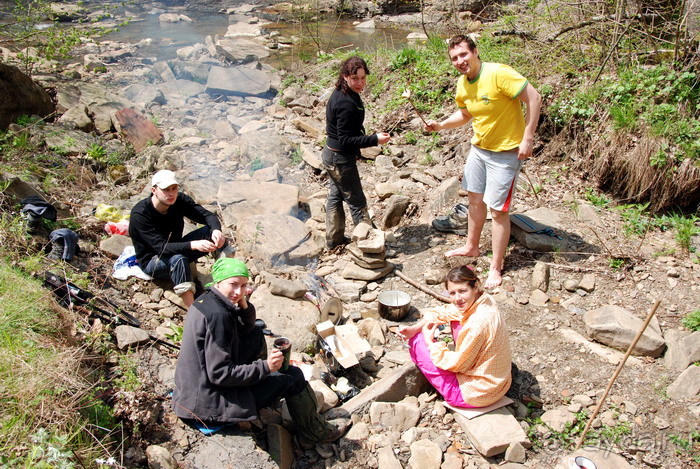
(120, 227)
(106, 212)
(127, 266)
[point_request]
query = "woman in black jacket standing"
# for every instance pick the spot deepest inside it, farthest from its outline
(345, 115)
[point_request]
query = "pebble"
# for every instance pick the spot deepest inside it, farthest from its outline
(574, 407)
(157, 294)
(661, 423)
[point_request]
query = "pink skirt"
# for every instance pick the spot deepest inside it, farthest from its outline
(445, 382)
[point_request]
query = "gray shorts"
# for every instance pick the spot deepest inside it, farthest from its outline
(494, 174)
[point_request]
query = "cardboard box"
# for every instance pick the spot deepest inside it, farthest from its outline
(343, 341)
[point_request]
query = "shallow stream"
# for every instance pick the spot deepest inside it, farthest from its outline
(333, 34)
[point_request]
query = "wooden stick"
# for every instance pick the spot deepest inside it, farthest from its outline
(427, 290)
(617, 372)
(417, 111)
(531, 185)
(575, 268)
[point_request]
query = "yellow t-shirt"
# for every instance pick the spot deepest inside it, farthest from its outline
(498, 120)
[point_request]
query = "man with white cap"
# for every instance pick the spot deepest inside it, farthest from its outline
(156, 226)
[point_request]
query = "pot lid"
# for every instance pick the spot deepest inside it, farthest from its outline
(332, 311)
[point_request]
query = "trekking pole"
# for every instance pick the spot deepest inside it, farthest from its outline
(617, 372)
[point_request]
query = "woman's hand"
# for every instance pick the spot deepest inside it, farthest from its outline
(429, 333)
(407, 332)
(383, 137)
(275, 360)
(243, 302)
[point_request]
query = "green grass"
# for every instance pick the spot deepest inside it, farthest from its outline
(297, 155)
(692, 320)
(689, 447)
(568, 437)
(127, 370)
(598, 200)
(40, 425)
(657, 101)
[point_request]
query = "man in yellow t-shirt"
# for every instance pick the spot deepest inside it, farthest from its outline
(491, 96)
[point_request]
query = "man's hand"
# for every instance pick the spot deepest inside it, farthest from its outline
(202, 245)
(383, 137)
(218, 238)
(432, 126)
(525, 149)
(275, 360)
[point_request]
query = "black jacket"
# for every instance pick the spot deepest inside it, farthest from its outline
(154, 233)
(345, 115)
(211, 383)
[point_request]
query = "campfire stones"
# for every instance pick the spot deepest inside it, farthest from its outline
(366, 260)
(355, 272)
(374, 243)
(368, 255)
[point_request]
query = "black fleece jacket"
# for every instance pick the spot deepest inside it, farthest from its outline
(345, 115)
(212, 383)
(154, 233)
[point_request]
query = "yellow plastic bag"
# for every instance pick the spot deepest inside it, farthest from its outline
(106, 212)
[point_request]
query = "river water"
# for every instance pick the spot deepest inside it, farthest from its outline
(334, 34)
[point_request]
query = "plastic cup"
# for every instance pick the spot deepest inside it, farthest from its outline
(284, 345)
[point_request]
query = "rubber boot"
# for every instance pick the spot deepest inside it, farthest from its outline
(335, 227)
(311, 425)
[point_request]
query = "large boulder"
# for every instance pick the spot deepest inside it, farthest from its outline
(19, 96)
(295, 319)
(616, 327)
(239, 200)
(240, 49)
(274, 238)
(101, 103)
(237, 81)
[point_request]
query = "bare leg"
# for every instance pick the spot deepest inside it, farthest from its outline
(500, 234)
(477, 217)
(188, 298)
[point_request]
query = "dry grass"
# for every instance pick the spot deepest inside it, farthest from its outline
(622, 168)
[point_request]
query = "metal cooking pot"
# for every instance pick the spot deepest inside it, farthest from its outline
(394, 305)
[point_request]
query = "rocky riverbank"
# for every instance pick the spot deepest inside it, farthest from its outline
(256, 163)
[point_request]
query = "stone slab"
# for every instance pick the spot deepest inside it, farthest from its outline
(405, 381)
(241, 199)
(398, 416)
(237, 81)
(280, 445)
(492, 433)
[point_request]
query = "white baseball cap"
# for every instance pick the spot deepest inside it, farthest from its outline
(164, 179)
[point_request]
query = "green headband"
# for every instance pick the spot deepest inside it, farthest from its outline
(227, 267)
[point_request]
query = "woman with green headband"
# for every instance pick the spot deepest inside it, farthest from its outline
(224, 374)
